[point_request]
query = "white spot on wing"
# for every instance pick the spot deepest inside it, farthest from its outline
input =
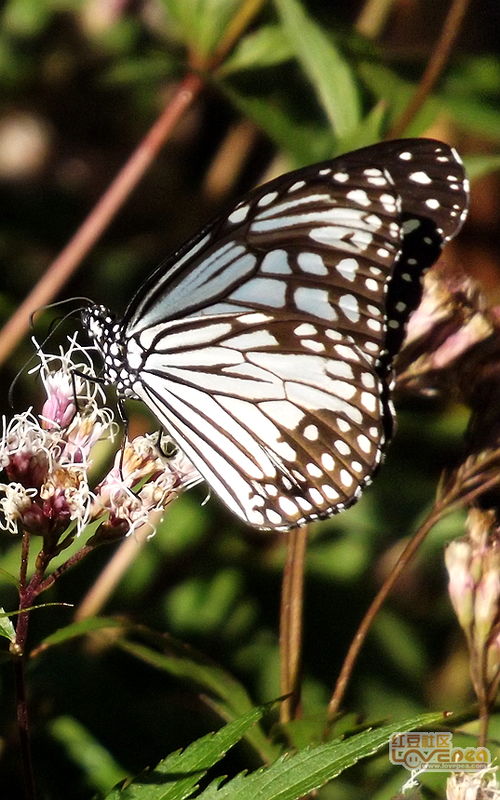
(239, 214)
(420, 177)
(283, 412)
(315, 302)
(311, 433)
(359, 196)
(347, 267)
(305, 329)
(312, 263)
(267, 291)
(349, 306)
(276, 261)
(267, 198)
(297, 185)
(253, 340)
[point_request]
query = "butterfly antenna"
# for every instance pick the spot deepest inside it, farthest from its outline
(58, 303)
(55, 324)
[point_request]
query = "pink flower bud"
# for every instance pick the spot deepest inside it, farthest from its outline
(59, 407)
(486, 605)
(458, 556)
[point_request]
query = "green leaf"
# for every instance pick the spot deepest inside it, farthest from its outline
(265, 47)
(26, 17)
(396, 93)
(178, 775)
(80, 628)
(181, 661)
(99, 767)
(7, 630)
(201, 23)
(304, 141)
(150, 69)
(328, 71)
(369, 130)
(477, 166)
(400, 643)
(473, 114)
(9, 577)
(470, 113)
(294, 776)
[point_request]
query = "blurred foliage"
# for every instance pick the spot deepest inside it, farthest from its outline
(81, 81)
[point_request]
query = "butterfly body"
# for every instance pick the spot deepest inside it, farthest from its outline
(264, 345)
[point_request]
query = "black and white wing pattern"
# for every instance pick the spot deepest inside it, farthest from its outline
(264, 345)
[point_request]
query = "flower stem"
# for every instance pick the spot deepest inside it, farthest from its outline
(18, 651)
(23, 727)
(469, 483)
(366, 623)
(435, 67)
(292, 601)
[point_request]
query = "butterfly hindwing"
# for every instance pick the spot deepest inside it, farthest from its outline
(283, 433)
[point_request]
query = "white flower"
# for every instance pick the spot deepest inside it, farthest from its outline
(480, 785)
(47, 459)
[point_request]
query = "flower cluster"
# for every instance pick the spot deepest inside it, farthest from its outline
(47, 459)
(473, 565)
(443, 332)
(480, 785)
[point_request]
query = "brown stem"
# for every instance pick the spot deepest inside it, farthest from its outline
(28, 592)
(23, 728)
(481, 687)
(102, 214)
(292, 601)
(360, 636)
(236, 27)
(372, 17)
(71, 562)
(105, 584)
(18, 648)
(435, 66)
(451, 500)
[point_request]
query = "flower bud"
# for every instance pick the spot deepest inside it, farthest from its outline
(461, 585)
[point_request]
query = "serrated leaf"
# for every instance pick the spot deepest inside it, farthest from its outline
(326, 68)
(294, 776)
(178, 775)
(7, 630)
(265, 47)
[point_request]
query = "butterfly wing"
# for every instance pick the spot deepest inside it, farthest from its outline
(263, 345)
(282, 434)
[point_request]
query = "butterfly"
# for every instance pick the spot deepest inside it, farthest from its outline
(264, 345)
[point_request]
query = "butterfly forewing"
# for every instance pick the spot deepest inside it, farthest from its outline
(273, 249)
(264, 345)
